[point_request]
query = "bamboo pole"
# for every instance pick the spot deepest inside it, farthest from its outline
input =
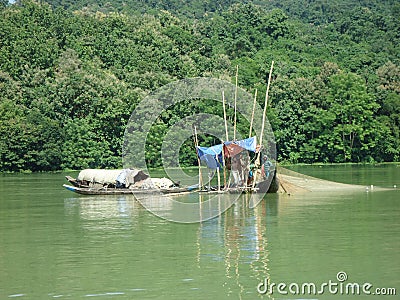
(226, 137)
(209, 180)
(251, 128)
(266, 102)
(236, 91)
(196, 142)
(226, 124)
(263, 121)
(224, 166)
(218, 174)
(252, 114)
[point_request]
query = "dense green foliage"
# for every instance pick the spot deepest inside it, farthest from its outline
(70, 75)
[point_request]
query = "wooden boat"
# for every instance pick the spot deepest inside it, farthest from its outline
(125, 181)
(263, 186)
(246, 175)
(123, 191)
(239, 169)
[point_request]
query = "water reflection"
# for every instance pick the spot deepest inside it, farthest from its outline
(235, 242)
(106, 213)
(241, 233)
(102, 207)
(235, 245)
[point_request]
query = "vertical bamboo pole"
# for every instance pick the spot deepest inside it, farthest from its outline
(226, 137)
(263, 120)
(224, 166)
(252, 114)
(226, 124)
(266, 102)
(196, 142)
(219, 177)
(236, 91)
(251, 126)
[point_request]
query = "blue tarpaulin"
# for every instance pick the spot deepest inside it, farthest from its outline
(248, 144)
(212, 156)
(234, 148)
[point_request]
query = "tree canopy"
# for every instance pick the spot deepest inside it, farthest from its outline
(72, 72)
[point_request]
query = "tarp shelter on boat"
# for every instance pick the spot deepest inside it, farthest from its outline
(212, 156)
(121, 177)
(233, 148)
(131, 176)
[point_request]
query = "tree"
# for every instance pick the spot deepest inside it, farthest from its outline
(388, 96)
(349, 119)
(70, 78)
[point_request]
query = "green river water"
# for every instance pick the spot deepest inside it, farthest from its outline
(57, 244)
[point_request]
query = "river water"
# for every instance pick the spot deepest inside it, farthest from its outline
(56, 244)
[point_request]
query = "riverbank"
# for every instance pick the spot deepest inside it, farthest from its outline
(286, 165)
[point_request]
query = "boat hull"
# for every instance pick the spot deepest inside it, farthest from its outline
(260, 187)
(120, 191)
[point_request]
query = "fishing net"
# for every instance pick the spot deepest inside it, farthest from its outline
(292, 182)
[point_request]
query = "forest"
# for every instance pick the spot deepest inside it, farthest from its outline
(72, 72)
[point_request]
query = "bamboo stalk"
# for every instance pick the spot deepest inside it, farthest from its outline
(224, 166)
(226, 124)
(198, 158)
(219, 177)
(226, 137)
(252, 114)
(236, 91)
(266, 102)
(263, 121)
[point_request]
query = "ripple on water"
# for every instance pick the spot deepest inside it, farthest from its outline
(105, 294)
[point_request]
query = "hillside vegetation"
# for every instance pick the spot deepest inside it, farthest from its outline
(72, 73)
